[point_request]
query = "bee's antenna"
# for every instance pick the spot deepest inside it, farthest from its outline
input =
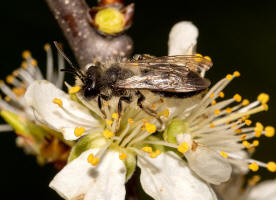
(76, 70)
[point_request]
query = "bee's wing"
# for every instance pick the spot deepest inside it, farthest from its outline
(192, 62)
(168, 78)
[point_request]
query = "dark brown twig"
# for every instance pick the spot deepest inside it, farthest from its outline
(86, 44)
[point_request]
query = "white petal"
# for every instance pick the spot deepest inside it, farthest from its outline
(103, 182)
(168, 177)
(209, 165)
(40, 95)
(182, 38)
(264, 190)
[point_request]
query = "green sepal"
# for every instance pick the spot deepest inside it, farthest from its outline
(130, 163)
(85, 143)
(23, 126)
(176, 127)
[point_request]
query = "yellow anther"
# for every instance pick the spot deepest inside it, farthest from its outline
(74, 89)
(216, 112)
(253, 167)
(155, 154)
(236, 73)
(144, 120)
(255, 179)
(212, 125)
(258, 134)
(7, 98)
(47, 47)
(108, 134)
(237, 97)
(109, 122)
(24, 65)
(153, 106)
(228, 110)
(79, 131)
(221, 94)
(248, 122)
(115, 116)
(255, 143)
(263, 98)
(223, 154)
(246, 144)
(258, 129)
(229, 77)
(34, 62)
(243, 136)
(245, 102)
(147, 149)
(269, 131)
(208, 58)
(93, 160)
(123, 156)
(130, 121)
(214, 102)
(26, 54)
(265, 107)
(19, 91)
(9, 79)
(151, 128)
(271, 166)
(158, 152)
(198, 55)
(183, 147)
(238, 131)
(212, 95)
(57, 101)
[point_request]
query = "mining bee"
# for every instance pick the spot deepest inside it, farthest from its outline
(169, 76)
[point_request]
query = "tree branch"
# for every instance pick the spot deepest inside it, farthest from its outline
(86, 44)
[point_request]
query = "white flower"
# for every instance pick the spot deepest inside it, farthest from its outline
(213, 135)
(235, 189)
(104, 157)
(183, 38)
(22, 77)
(264, 190)
(20, 116)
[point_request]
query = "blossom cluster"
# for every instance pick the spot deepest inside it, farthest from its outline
(202, 141)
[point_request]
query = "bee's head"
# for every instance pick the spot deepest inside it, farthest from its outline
(92, 82)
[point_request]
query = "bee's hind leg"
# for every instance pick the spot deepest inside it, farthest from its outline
(149, 111)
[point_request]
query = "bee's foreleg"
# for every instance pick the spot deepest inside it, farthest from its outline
(126, 99)
(100, 105)
(149, 111)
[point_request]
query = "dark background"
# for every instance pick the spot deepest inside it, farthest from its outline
(236, 35)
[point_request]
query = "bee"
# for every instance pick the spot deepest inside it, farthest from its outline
(169, 76)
